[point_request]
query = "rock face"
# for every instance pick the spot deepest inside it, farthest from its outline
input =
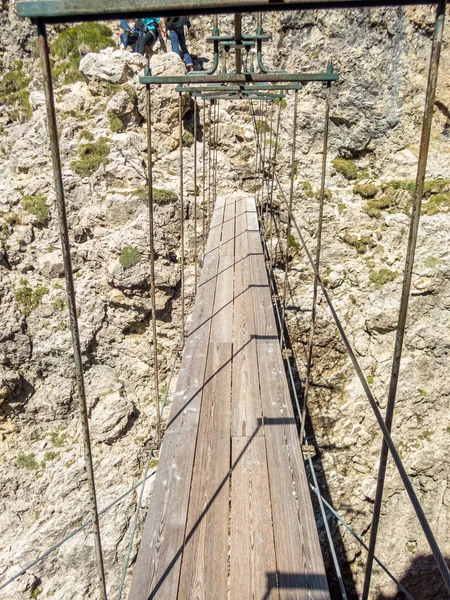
(376, 110)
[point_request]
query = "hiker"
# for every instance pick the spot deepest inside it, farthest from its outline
(175, 28)
(145, 32)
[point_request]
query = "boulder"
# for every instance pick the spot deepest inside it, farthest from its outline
(110, 418)
(108, 67)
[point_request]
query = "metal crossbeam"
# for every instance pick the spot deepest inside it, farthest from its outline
(263, 87)
(59, 11)
(241, 78)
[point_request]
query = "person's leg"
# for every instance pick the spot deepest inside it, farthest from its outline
(124, 36)
(144, 40)
(184, 50)
(174, 41)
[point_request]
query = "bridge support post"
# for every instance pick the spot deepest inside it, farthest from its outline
(70, 287)
(403, 312)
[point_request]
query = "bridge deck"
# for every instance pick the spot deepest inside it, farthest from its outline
(230, 515)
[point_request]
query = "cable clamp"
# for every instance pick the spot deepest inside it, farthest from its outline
(275, 298)
(286, 353)
(308, 451)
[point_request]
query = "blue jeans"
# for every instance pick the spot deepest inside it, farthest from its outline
(178, 42)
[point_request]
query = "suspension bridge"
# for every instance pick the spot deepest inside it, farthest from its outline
(231, 514)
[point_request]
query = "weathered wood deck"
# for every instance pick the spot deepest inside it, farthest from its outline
(230, 515)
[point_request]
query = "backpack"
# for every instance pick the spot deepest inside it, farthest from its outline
(177, 22)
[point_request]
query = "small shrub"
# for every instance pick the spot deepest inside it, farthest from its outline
(438, 203)
(345, 167)
(50, 455)
(160, 196)
(431, 262)
(381, 277)
(293, 242)
(116, 124)
(129, 257)
(374, 207)
(359, 243)
(27, 461)
(86, 135)
(36, 206)
(341, 207)
(370, 379)
(14, 94)
(29, 298)
(58, 304)
(366, 190)
(58, 440)
(91, 156)
(307, 189)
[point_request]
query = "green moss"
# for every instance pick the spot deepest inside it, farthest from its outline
(293, 242)
(370, 379)
(35, 593)
(29, 298)
(361, 244)
(116, 124)
(36, 206)
(307, 188)
(374, 207)
(160, 196)
(87, 135)
(91, 156)
(129, 257)
(58, 440)
(345, 167)
(431, 262)
(58, 304)
(381, 277)
(27, 461)
(366, 190)
(438, 203)
(15, 95)
(50, 455)
(341, 207)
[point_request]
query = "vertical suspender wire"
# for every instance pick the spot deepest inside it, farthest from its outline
(318, 251)
(195, 196)
(266, 203)
(274, 163)
(209, 163)
(65, 245)
(264, 142)
(180, 118)
(403, 311)
(152, 262)
(256, 154)
(288, 232)
(204, 180)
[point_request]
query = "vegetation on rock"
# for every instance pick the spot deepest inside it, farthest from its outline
(36, 206)
(361, 243)
(366, 190)
(129, 257)
(29, 298)
(91, 156)
(345, 167)
(73, 43)
(161, 196)
(116, 124)
(381, 277)
(15, 95)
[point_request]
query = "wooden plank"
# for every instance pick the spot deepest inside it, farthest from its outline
(252, 216)
(300, 568)
(222, 319)
(227, 240)
(205, 559)
(246, 406)
(215, 228)
(252, 544)
(265, 328)
(159, 559)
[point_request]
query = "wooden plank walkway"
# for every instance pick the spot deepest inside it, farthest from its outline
(230, 515)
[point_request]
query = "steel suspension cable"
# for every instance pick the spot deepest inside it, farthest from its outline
(266, 204)
(152, 263)
(291, 200)
(272, 219)
(209, 165)
(195, 196)
(406, 289)
(204, 180)
(180, 117)
(70, 287)
(318, 251)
